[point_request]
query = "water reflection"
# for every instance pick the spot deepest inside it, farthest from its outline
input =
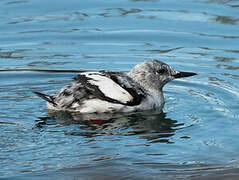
(198, 35)
(12, 54)
(226, 20)
(16, 2)
(153, 125)
(219, 1)
(228, 67)
(139, 13)
(224, 59)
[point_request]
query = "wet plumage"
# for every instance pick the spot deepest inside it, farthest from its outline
(107, 91)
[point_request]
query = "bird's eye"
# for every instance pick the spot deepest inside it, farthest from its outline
(160, 71)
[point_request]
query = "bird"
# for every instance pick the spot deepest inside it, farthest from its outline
(109, 91)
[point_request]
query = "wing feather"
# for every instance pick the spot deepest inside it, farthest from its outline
(104, 87)
(132, 87)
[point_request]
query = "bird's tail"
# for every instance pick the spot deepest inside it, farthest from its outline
(47, 98)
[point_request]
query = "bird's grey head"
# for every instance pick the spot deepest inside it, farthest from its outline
(154, 74)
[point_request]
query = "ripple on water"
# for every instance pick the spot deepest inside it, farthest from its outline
(44, 45)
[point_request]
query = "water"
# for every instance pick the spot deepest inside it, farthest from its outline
(196, 137)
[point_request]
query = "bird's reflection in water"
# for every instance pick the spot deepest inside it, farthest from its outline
(151, 125)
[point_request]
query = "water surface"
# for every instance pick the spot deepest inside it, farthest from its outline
(196, 136)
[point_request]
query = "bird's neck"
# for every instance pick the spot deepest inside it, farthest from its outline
(158, 97)
(154, 90)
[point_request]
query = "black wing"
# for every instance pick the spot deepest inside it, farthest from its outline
(127, 91)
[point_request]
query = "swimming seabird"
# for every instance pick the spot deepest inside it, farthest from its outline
(107, 91)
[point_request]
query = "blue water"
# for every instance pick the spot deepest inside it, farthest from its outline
(196, 136)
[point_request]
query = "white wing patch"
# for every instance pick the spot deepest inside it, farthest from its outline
(108, 87)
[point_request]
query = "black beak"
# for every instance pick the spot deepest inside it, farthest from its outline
(184, 74)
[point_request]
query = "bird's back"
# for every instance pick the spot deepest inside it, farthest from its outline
(103, 91)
